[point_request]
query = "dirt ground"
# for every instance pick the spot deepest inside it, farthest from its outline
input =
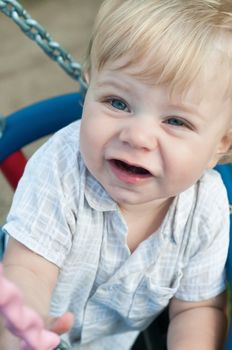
(26, 73)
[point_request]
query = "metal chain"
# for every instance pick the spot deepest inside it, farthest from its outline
(2, 126)
(37, 33)
(63, 346)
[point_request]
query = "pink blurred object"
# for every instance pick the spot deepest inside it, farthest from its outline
(23, 321)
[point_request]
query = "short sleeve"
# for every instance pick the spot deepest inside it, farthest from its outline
(204, 270)
(43, 213)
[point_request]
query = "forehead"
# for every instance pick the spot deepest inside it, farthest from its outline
(213, 78)
(213, 81)
(170, 41)
(207, 94)
(208, 91)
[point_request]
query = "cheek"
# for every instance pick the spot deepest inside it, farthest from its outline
(87, 139)
(97, 128)
(92, 139)
(91, 136)
(88, 125)
(187, 165)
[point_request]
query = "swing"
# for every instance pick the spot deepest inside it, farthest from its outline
(29, 124)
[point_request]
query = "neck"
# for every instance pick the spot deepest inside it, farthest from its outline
(147, 209)
(143, 220)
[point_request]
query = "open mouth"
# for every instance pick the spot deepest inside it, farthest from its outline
(131, 169)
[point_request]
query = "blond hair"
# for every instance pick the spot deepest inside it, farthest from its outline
(174, 37)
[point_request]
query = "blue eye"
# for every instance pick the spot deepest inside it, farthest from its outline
(118, 104)
(175, 122)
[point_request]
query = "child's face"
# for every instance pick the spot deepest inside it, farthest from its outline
(143, 145)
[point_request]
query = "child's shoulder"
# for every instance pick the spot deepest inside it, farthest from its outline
(68, 135)
(59, 154)
(211, 194)
(207, 220)
(63, 144)
(211, 184)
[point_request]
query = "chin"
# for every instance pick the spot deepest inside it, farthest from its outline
(127, 199)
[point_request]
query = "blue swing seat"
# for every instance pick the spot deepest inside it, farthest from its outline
(226, 173)
(35, 121)
(46, 117)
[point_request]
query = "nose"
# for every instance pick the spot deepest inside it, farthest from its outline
(140, 133)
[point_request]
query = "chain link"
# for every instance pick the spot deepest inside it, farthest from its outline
(63, 346)
(37, 33)
(2, 125)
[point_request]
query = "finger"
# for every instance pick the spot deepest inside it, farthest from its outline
(61, 324)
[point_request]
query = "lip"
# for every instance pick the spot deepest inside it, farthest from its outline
(125, 176)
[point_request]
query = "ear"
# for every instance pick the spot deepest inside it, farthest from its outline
(222, 147)
(86, 77)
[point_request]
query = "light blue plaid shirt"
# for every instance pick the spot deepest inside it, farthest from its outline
(62, 213)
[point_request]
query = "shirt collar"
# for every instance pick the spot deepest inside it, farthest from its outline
(96, 195)
(175, 221)
(181, 210)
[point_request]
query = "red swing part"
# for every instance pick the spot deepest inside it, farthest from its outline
(13, 167)
(30, 124)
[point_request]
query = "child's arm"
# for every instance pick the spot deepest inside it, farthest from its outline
(36, 277)
(197, 325)
(22, 320)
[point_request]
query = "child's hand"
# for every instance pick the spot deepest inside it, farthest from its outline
(61, 324)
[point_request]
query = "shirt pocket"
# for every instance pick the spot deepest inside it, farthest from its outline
(150, 298)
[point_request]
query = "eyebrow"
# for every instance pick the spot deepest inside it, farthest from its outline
(115, 83)
(192, 109)
(179, 106)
